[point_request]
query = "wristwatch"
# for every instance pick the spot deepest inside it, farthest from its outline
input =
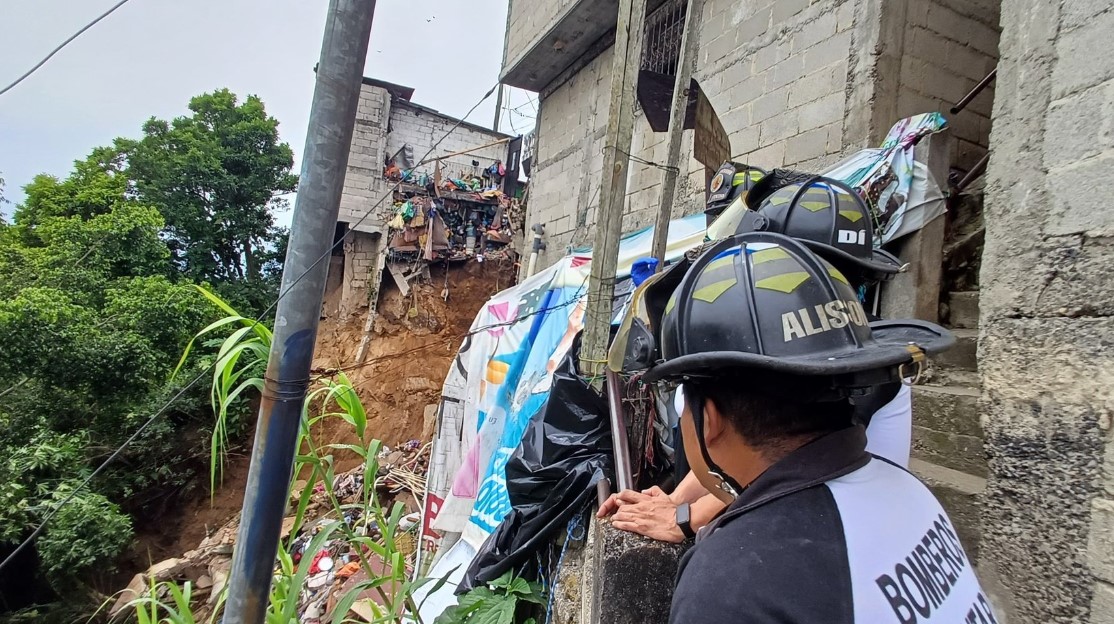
(684, 521)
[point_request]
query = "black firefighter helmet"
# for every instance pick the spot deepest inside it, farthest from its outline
(766, 303)
(730, 181)
(834, 221)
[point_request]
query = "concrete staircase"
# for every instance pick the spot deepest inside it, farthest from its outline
(947, 435)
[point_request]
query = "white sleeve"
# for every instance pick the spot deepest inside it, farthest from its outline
(890, 433)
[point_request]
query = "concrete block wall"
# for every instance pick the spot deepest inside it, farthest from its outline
(421, 128)
(1046, 327)
(527, 20)
(361, 271)
(778, 74)
(363, 181)
(950, 45)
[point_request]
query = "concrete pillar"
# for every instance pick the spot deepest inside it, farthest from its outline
(916, 292)
(1047, 318)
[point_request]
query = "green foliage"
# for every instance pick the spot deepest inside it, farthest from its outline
(216, 176)
(495, 604)
(88, 530)
(98, 299)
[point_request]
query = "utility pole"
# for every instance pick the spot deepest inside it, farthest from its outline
(325, 159)
(498, 107)
(625, 62)
(690, 40)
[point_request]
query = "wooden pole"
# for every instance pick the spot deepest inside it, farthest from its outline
(498, 108)
(626, 58)
(690, 40)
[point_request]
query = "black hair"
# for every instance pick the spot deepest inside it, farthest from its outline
(773, 423)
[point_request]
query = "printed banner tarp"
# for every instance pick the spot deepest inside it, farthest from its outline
(901, 191)
(501, 378)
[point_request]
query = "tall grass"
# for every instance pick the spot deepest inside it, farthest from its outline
(241, 361)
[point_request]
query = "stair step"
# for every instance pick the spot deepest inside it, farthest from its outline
(960, 494)
(963, 309)
(946, 427)
(964, 355)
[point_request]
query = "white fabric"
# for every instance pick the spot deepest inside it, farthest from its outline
(904, 557)
(890, 432)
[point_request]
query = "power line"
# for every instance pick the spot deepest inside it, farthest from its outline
(62, 45)
(73, 494)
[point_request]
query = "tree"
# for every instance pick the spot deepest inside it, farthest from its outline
(216, 176)
(91, 326)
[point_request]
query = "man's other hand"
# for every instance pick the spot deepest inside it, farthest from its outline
(650, 513)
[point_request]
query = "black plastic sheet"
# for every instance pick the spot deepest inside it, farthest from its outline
(564, 452)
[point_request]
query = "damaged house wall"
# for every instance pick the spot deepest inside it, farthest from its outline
(386, 120)
(1046, 316)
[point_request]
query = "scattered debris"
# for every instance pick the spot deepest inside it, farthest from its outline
(334, 568)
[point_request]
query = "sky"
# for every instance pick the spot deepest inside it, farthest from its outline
(151, 56)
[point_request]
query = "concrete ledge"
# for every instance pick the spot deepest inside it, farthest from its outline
(634, 577)
(958, 452)
(963, 355)
(949, 409)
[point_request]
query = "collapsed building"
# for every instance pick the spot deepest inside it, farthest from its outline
(416, 193)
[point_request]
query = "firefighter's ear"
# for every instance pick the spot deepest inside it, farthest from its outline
(715, 424)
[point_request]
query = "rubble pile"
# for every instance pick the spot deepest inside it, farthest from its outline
(335, 568)
(455, 219)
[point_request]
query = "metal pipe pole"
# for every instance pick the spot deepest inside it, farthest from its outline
(624, 478)
(626, 59)
(690, 40)
(325, 159)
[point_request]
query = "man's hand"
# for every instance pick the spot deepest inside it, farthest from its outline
(613, 502)
(650, 513)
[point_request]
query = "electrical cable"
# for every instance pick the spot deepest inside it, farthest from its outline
(58, 49)
(50, 515)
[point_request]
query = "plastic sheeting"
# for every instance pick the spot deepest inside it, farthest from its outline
(564, 452)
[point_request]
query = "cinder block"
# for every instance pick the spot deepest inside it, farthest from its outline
(822, 112)
(810, 87)
(1079, 200)
(845, 16)
(768, 157)
(765, 58)
(1079, 126)
(785, 9)
(768, 105)
(785, 72)
(806, 145)
(834, 48)
(958, 452)
(812, 33)
(778, 128)
(1076, 13)
(753, 26)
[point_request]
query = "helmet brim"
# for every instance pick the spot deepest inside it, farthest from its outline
(929, 337)
(881, 266)
(895, 343)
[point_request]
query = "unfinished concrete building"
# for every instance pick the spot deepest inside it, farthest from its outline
(390, 126)
(1012, 430)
